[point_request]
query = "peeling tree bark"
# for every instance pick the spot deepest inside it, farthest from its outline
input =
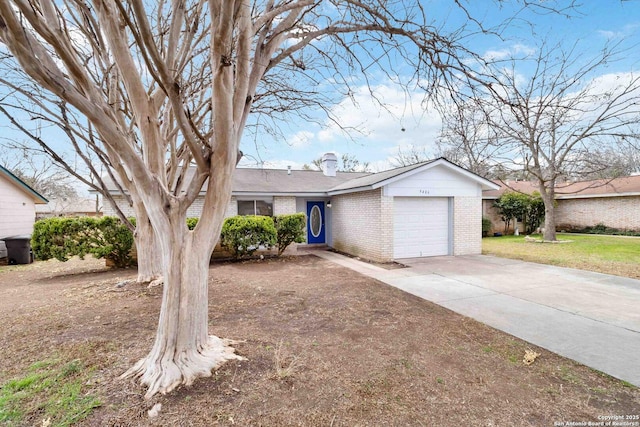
(183, 349)
(147, 250)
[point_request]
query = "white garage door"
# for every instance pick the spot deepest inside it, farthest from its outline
(420, 226)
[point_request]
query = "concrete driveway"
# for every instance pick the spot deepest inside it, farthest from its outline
(589, 317)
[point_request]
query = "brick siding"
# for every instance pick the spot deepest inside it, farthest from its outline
(467, 225)
(284, 205)
(363, 225)
(616, 212)
(497, 224)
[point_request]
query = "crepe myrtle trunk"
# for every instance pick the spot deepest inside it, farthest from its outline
(183, 349)
(147, 250)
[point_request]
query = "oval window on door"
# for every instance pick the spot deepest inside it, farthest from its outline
(315, 221)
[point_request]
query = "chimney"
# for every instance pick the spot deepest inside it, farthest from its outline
(329, 164)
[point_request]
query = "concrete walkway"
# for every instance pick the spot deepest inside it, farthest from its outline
(591, 318)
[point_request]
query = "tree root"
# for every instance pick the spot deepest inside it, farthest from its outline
(156, 282)
(162, 373)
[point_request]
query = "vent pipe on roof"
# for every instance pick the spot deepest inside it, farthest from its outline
(329, 164)
(288, 170)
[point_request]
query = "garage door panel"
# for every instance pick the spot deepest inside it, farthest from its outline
(421, 227)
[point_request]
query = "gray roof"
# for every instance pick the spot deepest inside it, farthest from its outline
(269, 181)
(373, 179)
(68, 206)
(251, 181)
(278, 181)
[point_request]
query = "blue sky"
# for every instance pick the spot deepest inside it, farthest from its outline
(593, 24)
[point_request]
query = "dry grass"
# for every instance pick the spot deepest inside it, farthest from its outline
(285, 365)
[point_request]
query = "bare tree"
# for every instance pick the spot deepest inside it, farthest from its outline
(468, 138)
(548, 122)
(164, 90)
(606, 164)
(38, 172)
(410, 156)
(47, 110)
(346, 163)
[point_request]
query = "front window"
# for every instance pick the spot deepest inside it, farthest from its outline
(255, 207)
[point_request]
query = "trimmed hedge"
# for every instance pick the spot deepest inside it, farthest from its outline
(242, 235)
(290, 229)
(107, 237)
(62, 238)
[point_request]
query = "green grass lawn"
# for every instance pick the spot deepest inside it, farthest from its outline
(605, 254)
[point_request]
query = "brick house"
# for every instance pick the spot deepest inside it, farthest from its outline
(427, 209)
(612, 202)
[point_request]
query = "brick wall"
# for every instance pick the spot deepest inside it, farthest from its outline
(363, 225)
(284, 205)
(497, 224)
(108, 210)
(467, 225)
(616, 212)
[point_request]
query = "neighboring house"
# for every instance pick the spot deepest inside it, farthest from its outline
(427, 209)
(17, 207)
(612, 202)
(69, 207)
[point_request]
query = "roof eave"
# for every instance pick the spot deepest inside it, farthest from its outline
(278, 194)
(351, 190)
(37, 198)
(592, 196)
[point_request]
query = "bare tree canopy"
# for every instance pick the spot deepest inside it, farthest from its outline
(39, 173)
(555, 120)
(346, 163)
(161, 92)
(469, 139)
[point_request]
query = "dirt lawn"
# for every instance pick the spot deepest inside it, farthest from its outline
(325, 347)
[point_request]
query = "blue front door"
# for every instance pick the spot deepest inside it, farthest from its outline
(315, 222)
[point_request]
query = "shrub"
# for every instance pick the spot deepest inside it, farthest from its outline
(512, 205)
(535, 212)
(242, 235)
(600, 228)
(58, 238)
(486, 225)
(191, 223)
(290, 229)
(113, 240)
(529, 208)
(62, 238)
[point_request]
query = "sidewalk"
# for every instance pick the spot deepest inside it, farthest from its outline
(591, 318)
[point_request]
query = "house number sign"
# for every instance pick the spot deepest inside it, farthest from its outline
(424, 191)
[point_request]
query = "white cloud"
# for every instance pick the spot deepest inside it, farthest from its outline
(509, 52)
(390, 117)
(620, 33)
(366, 131)
(300, 139)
